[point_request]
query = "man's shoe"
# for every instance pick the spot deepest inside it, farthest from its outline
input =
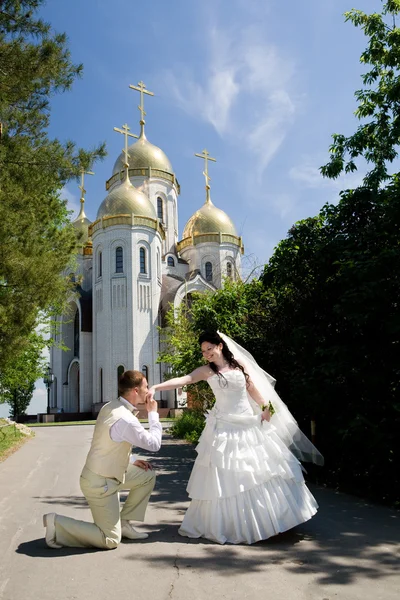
(49, 523)
(128, 531)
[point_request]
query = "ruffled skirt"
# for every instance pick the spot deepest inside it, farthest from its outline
(245, 485)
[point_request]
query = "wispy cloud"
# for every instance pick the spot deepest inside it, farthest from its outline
(307, 174)
(72, 202)
(245, 93)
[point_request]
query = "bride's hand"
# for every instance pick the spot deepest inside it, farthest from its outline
(265, 415)
(150, 393)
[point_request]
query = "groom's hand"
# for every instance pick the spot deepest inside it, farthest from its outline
(151, 404)
(143, 464)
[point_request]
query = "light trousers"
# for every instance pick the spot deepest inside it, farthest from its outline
(102, 495)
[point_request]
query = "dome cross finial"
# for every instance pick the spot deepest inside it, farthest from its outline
(83, 192)
(125, 132)
(141, 88)
(205, 155)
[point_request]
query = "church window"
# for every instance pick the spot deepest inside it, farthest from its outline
(160, 209)
(145, 371)
(120, 371)
(170, 262)
(229, 270)
(100, 265)
(142, 256)
(209, 271)
(119, 260)
(76, 334)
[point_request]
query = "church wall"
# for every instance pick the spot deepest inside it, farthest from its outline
(86, 270)
(125, 306)
(67, 355)
(146, 305)
(56, 366)
(180, 269)
(110, 315)
(218, 255)
(154, 188)
(85, 371)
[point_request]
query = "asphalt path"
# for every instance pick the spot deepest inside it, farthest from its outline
(350, 550)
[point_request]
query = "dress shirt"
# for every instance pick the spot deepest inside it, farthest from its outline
(129, 429)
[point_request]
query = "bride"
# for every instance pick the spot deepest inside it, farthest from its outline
(247, 483)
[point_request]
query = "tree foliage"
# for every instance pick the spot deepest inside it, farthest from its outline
(36, 239)
(17, 383)
(377, 138)
(235, 309)
(334, 334)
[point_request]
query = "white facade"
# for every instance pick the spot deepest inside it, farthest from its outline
(129, 270)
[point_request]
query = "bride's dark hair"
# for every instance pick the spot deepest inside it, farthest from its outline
(214, 338)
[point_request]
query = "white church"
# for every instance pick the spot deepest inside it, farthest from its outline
(130, 269)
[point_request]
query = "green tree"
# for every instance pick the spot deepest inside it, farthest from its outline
(36, 238)
(17, 383)
(377, 138)
(334, 335)
(235, 309)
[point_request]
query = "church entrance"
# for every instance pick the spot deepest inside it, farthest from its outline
(74, 395)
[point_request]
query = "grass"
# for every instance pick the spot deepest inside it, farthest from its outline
(10, 439)
(67, 423)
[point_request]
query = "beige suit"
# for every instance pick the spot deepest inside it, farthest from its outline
(107, 471)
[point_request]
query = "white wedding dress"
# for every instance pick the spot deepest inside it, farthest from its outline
(245, 484)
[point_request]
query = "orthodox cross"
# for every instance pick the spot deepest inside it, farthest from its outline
(206, 156)
(142, 89)
(81, 187)
(125, 131)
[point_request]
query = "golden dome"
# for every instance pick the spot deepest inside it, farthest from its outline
(143, 154)
(126, 199)
(81, 225)
(209, 219)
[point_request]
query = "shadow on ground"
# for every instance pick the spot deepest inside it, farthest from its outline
(348, 538)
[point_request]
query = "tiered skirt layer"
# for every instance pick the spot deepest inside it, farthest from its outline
(245, 485)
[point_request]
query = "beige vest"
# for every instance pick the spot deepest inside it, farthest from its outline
(106, 457)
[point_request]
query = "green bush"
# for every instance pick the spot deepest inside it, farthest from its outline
(189, 426)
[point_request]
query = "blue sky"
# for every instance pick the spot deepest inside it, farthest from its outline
(261, 86)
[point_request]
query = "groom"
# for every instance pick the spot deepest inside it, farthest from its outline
(109, 469)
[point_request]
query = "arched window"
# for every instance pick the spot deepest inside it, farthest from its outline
(170, 261)
(145, 371)
(100, 265)
(229, 270)
(119, 260)
(160, 209)
(76, 334)
(209, 271)
(101, 385)
(120, 371)
(142, 256)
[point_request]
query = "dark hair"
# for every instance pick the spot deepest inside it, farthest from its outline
(129, 380)
(214, 338)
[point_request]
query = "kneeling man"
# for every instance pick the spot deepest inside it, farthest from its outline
(109, 469)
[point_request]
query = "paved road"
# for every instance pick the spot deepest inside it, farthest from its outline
(349, 551)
